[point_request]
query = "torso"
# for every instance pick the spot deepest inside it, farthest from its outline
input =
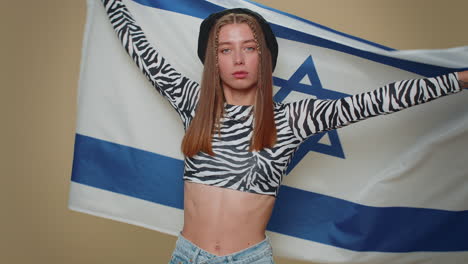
(223, 221)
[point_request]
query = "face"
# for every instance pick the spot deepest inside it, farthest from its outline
(237, 57)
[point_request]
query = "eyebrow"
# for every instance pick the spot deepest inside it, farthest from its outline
(243, 42)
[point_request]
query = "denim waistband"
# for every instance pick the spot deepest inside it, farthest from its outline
(251, 253)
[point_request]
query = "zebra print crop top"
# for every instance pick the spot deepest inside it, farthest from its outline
(261, 172)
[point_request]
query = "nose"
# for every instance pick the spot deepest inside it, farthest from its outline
(238, 57)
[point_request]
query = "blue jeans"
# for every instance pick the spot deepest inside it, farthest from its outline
(186, 252)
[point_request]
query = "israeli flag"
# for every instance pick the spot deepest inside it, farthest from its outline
(391, 189)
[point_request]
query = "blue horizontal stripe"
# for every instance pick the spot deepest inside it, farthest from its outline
(321, 26)
(201, 9)
(307, 215)
(128, 171)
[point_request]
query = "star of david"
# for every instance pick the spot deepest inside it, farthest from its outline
(315, 89)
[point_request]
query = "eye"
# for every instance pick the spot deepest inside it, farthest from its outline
(251, 48)
(224, 50)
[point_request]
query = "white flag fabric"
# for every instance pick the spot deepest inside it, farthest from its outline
(391, 189)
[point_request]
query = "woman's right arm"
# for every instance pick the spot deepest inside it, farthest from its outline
(181, 92)
(310, 116)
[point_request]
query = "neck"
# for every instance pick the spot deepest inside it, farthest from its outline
(240, 97)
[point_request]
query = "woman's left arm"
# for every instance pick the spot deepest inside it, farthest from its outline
(311, 116)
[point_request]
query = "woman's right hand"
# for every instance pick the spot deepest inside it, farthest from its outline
(463, 79)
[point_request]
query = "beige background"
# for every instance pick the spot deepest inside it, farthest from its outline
(40, 52)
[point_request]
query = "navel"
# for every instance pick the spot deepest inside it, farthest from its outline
(217, 247)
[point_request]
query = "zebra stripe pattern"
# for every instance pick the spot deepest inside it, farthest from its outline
(311, 116)
(261, 172)
(181, 92)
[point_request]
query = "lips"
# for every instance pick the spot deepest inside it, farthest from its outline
(240, 74)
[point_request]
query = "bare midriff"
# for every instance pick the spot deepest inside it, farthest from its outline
(222, 221)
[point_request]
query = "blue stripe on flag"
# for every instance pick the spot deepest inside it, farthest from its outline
(321, 26)
(202, 9)
(340, 223)
(128, 171)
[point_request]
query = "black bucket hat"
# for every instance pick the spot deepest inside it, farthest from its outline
(209, 22)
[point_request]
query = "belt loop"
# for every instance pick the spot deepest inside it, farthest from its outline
(193, 259)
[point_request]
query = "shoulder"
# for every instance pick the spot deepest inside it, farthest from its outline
(293, 105)
(278, 105)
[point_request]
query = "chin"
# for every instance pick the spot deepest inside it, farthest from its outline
(238, 85)
(244, 86)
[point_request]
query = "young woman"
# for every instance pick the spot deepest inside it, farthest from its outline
(238, 142)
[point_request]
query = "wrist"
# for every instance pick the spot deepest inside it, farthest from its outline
(463, 79)
(463, 84)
